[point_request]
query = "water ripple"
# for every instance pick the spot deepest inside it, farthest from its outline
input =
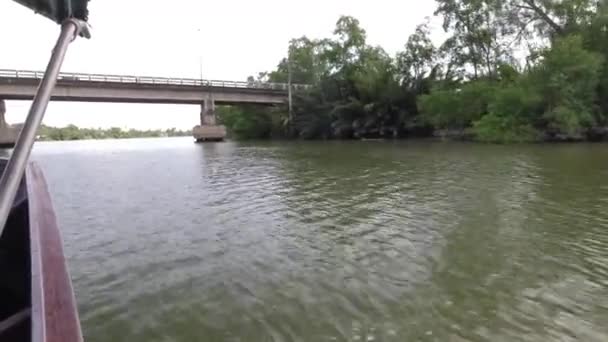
(334, 241)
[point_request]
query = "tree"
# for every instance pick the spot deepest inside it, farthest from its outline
(457, 109)
(480, 35)
(510, 71)
(568, 78)
(418, 59)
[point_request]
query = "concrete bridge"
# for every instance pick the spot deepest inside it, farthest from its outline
(22, 85)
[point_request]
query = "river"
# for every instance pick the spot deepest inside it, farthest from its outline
(168, 240)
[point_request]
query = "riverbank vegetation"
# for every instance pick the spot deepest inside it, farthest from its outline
(72, 132)
(509, 71)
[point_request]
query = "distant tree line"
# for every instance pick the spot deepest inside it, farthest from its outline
(72, 132)
(509, 71)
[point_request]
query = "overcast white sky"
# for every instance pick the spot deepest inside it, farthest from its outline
(235, 38)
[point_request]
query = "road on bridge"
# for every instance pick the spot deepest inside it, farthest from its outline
(22, 85)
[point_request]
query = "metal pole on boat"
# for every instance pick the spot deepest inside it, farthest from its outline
(13, 173)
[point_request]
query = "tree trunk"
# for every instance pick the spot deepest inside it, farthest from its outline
(543, 15)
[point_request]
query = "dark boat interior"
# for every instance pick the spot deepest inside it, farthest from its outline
(15, 272)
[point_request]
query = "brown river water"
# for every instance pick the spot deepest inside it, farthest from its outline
(168, 240)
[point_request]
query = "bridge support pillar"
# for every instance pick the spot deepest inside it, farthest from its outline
(8, 134)
(209, 130)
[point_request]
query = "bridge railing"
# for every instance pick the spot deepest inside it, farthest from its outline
(71, 76)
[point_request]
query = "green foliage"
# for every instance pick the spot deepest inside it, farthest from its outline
(568, 78)
(509, 71)
(72, 132)
(357, 91)
(511, 113)
(252, 122)
(516, 100)
(595, 37)
(417, 60)
(497, 129)
(457, 108)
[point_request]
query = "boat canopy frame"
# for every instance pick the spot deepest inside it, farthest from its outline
(59, 10)
(73, 15)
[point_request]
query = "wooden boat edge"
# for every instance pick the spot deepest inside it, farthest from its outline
(54, 313)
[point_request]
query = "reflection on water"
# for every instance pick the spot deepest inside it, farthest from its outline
(340, 241)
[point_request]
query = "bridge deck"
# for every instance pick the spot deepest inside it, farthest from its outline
(128, 79)
(21, 85)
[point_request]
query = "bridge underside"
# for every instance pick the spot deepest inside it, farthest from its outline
(89, 91)
(135, 93)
